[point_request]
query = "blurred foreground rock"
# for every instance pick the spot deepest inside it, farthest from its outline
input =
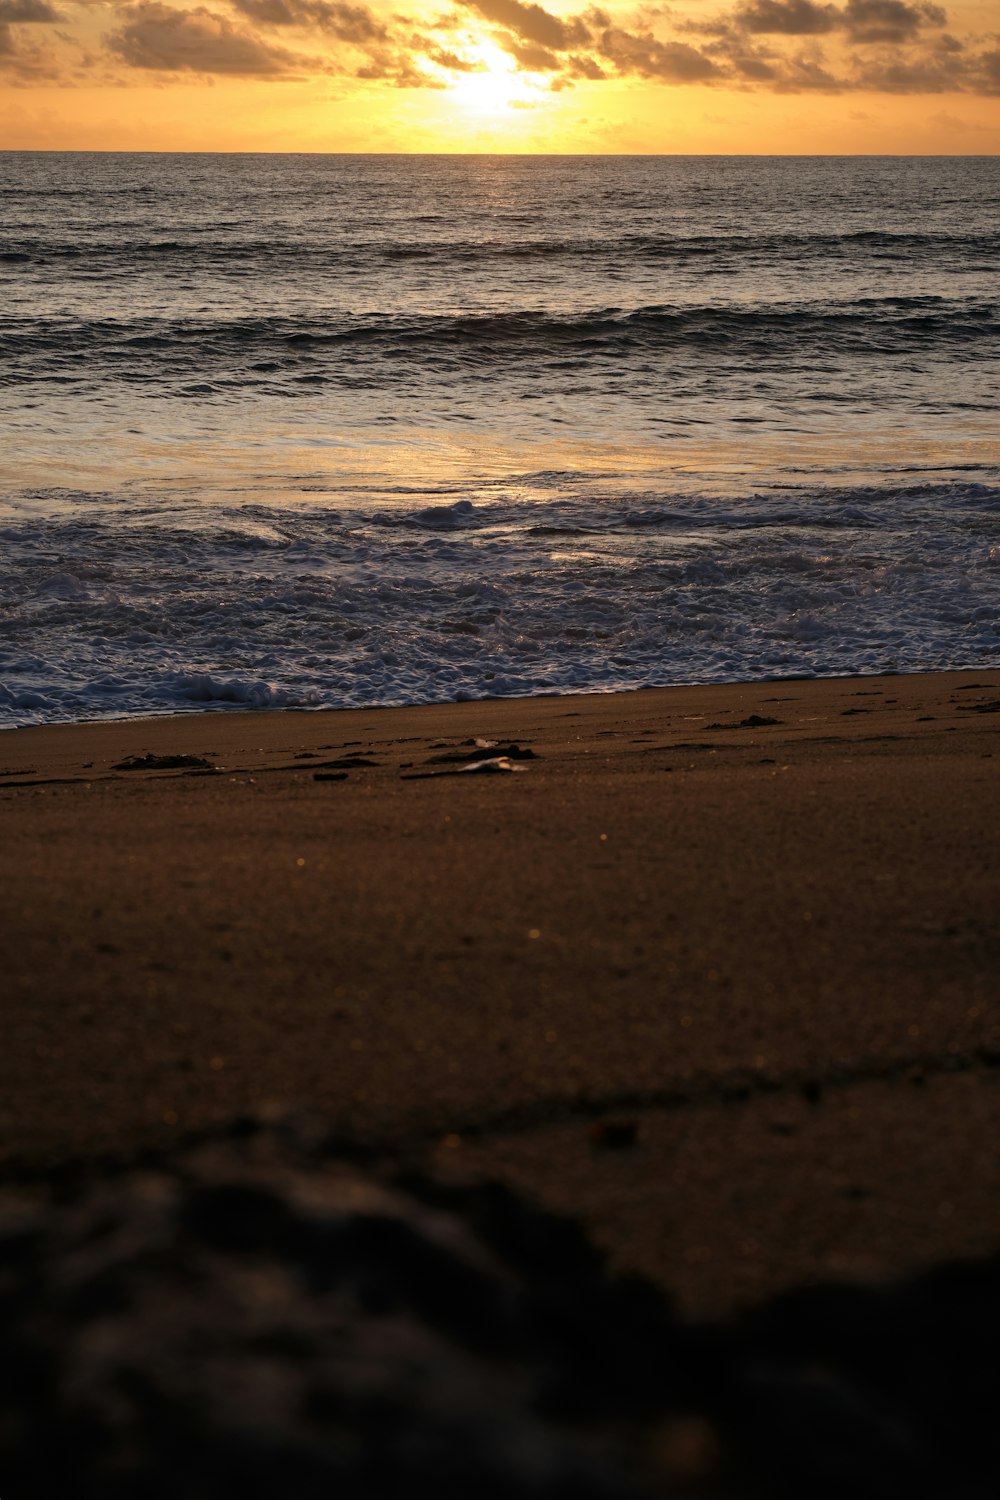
(260, 1315)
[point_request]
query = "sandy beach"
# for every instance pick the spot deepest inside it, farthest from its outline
(713, 970)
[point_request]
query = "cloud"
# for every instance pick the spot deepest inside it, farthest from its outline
(348, 23)
(897, 56)
(747, 62)
(881, 46)
(22, 59)
(395, 68)
(539, 41)
(158, 37)
(30, 11)
(805, 71)
(989, 66)
(929, 72)
(862, 20)
(383, 55)
(773, 46)
(889, 20)
(789, 18)
(645, 56)
(532, 23)
(532, 57)
(584, 67)
(445, 58)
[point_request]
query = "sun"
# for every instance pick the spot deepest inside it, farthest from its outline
(494, 85)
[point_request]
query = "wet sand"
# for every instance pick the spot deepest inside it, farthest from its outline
(715, 970)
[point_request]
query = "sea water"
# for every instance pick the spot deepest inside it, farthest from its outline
(357, 430)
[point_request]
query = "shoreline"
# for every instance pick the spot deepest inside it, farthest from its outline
(751, 927)
(221, 710)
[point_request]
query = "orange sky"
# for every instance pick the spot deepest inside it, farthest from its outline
(501, 75)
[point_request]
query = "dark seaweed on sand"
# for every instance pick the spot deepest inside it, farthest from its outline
(163, 763)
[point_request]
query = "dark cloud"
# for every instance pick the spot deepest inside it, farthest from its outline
(989, 68)
(750, 66)
(863, 21)
(348, 23)
(790, 18)
(747, 61)
(585, 67)
(388, 53)
(397, 69)
(33, 11)
(532, 58)
(644, 56)
(936, 71)
(889, 20)
(158, 37)
(22, 60)
(532, 23)
(23, 63)
(445, 58)
(805, 71)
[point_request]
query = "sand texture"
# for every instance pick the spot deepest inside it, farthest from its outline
(712, 970)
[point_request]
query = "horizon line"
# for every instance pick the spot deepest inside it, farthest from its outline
(543, 155)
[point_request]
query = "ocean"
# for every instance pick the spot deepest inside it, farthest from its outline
(329, 431)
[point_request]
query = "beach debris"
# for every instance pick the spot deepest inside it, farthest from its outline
(163, 763)
(980, 708)
(486, 759)
(329, 776)
(756, 721)
(497, 763)
(483, 750)
(348, 763)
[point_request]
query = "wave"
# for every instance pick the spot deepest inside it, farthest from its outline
(216, 249)
(36, 348)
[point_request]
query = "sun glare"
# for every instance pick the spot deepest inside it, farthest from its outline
(495, 84)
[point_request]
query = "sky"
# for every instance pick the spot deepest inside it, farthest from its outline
(768, 76)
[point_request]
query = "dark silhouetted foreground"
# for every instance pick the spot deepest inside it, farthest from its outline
(263, 1314)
